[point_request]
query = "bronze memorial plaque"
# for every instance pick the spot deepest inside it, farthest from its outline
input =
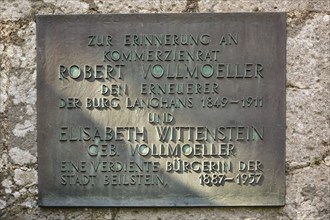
(161, 109)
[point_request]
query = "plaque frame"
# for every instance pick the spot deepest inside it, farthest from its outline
(63, 40)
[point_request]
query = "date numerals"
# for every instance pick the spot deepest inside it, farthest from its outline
(249, 179)
(222, 102)
(211, 180)
(243, 179)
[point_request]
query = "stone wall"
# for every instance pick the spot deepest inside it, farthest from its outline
(308, 115)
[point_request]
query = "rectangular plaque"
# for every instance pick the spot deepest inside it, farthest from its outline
(161, 109)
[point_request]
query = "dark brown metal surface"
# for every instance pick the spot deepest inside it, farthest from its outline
(161, 109)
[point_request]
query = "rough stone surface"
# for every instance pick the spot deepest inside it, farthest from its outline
(262, 5)
(21, 157)
(14, 10)
(68, 6)
(25, 177)
(140, 6)
(308, 113)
